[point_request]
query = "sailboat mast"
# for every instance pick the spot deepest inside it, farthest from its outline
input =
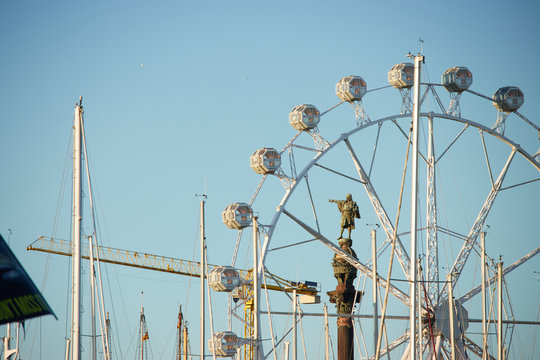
(203, 245)
(256, 292)
(93, 299)
(76, 236)
(414, 196)
(142, 334)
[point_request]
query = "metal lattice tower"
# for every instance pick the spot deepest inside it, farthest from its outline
(499, 125)
(406, 101)
(360, 115)
(432, 242)
(454, 108)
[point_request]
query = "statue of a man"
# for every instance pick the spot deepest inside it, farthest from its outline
(349, 211)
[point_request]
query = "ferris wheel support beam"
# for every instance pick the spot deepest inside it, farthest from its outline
(468, 296)
(394, 344)
(402, 256)
(438, 99)
(461, 259)
(432, 241)
(347, 257)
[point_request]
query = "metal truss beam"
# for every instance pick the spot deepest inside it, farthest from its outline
(463, 255)
(402, 256)
(468, 296)
(354, 262)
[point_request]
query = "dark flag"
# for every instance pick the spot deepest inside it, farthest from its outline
(20, 299)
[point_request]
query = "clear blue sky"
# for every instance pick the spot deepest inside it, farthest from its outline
(178, 94)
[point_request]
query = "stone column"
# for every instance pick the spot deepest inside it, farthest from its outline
(345, 296)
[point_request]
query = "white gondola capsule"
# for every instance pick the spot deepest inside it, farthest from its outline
(265, 161)
(224, 278)
(508, 98)
(457, 79)
(237, 215)
(351, 88)
(304, 117)
(224, 343)
(401, 76)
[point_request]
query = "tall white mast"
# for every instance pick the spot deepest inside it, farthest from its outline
(203, 248)
(76, 236)
(375, 292)
(484, 305)
(414, 195)
(256, 292)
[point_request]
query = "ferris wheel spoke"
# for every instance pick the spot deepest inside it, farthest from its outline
(475, 348)
(437, 98)
(487, 157)
(536, 127)
(492, 280)
(520, 184)
(338, 173)
(424, 96)
(452, 143)
(401, 253)
(393, 345)
(375, 148)
(406, 137)
(351, 260)
(312, 203)
(463, 255)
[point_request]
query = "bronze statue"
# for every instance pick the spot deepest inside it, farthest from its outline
(349, 211)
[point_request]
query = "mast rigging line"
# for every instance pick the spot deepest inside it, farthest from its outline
(101, 304)
(394, 240)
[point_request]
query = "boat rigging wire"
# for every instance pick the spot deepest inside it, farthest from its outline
(101, 304)
(272, 336)
(379, 338)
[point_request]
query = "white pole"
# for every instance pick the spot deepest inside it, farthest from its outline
(499, 311)
(203, 266)
(17, 342)
(256, 290)
(451, 315)
(6, 340)
(419, 290)
(484, 327)
(68, 348)
(375, 292)
(287, 343)
(11, 353)
(141, 335)
(294, 325)
(414, 195)
(76, 236)
(326, 334)
(93, 299)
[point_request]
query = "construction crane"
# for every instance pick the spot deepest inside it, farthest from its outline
(175, 266)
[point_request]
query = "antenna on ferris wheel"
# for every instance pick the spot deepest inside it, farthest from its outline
(421, 46)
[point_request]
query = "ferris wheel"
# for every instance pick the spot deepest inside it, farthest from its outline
(476, 185)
